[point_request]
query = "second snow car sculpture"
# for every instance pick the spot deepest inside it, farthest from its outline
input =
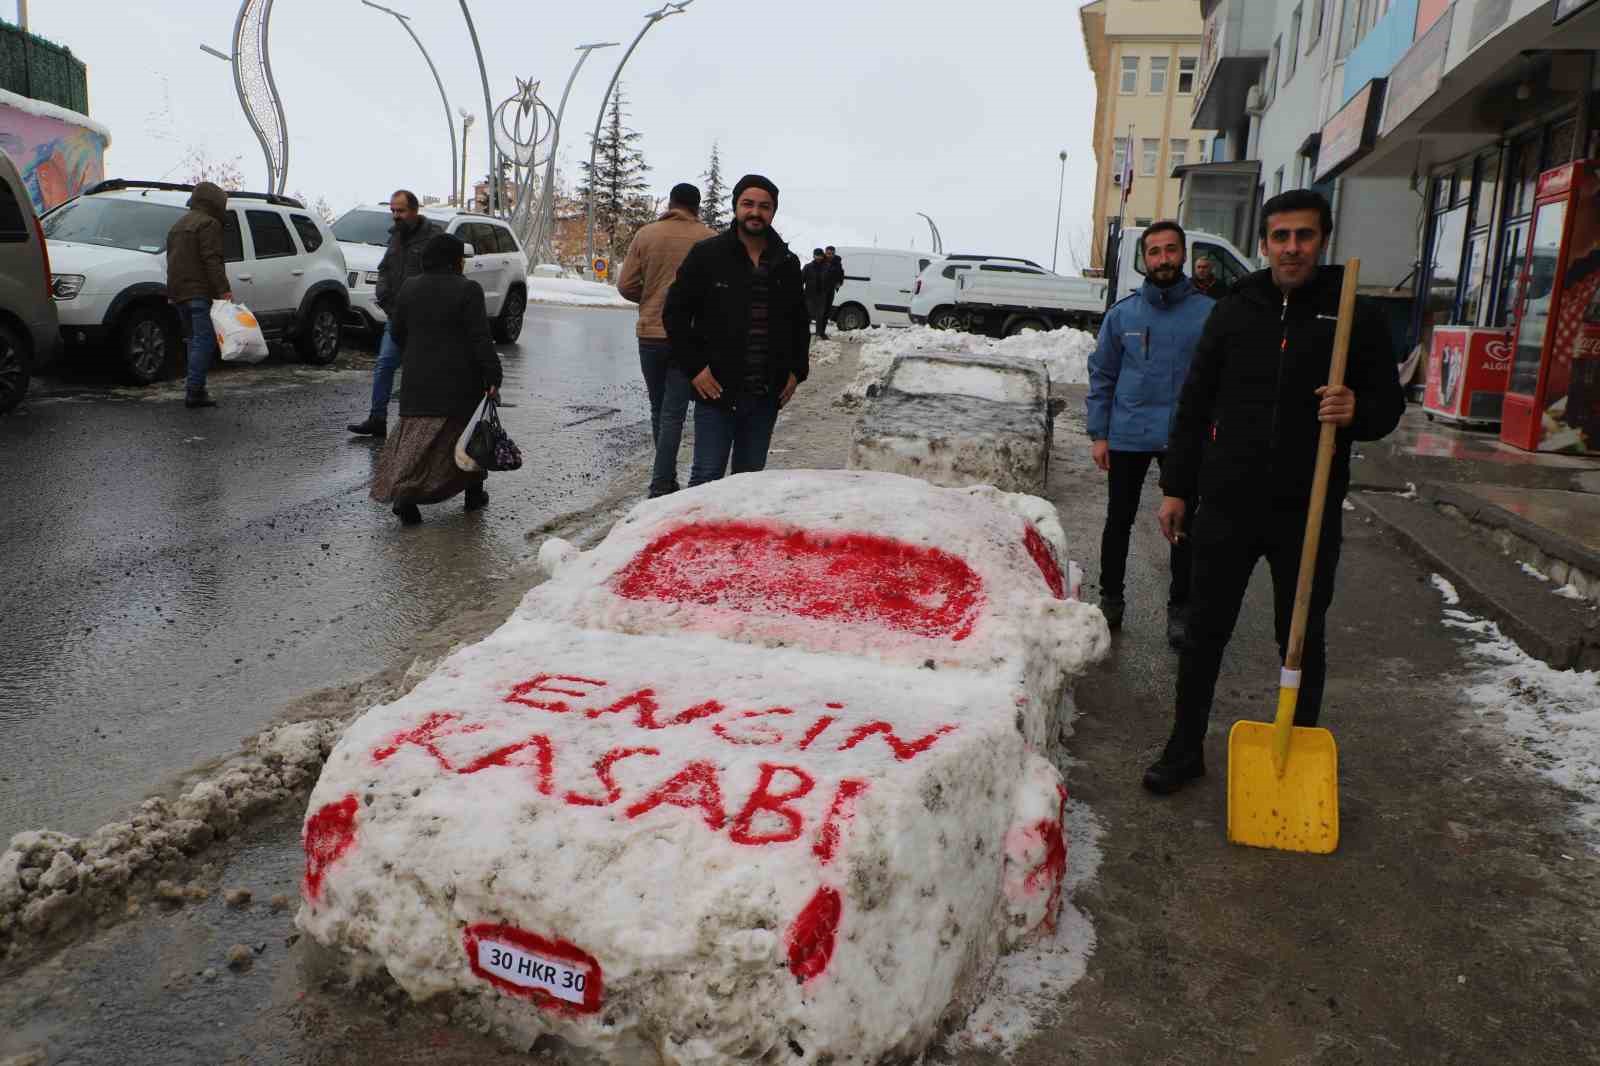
(757, 779)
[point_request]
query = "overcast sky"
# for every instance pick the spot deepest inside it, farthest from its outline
(864, 112)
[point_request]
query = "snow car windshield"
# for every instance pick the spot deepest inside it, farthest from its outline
(363, 227)
(137, 226)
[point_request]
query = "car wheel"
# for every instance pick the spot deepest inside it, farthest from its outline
(145, 342)
(508, 326)
(13, 368)
(944, 318)
(1026, 325)
(319, 338)
(851, 317)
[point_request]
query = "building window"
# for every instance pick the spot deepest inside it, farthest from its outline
(1158, 75)
(1130, 75)
(1119, 158)
(1200, 155)
(1141, 222)
(1315, 33)
(1292, 57)
(1178, 152)
(1277, 181)
(1150, 149)
(1299, 171)
(1186, 69)
(1270, 89)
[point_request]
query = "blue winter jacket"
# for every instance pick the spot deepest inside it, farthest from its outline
(1138, 368)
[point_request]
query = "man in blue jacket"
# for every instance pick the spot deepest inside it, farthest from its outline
(1135, 375)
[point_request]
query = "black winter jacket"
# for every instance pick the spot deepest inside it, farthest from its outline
(707, 314)
(402, 260)
(442, 327)
(1246, 429)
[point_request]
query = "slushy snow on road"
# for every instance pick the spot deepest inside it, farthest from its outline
(760, 778)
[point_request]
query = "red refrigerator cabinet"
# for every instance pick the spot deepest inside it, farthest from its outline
(1552, 399)
(1467, 371)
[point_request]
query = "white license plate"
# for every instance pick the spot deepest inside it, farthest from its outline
(529, 970)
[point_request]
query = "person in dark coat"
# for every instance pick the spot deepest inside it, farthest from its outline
(1206, 281)
(1245, 443)
(736, 318)
(401, 260)
(195, 277)
(441, 326)
(817, 277)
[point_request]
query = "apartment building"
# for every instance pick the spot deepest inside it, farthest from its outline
(1145, 55)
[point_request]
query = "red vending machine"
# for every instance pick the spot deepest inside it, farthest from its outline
(1552, 401)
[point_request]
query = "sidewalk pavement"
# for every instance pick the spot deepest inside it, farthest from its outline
(1517, 533)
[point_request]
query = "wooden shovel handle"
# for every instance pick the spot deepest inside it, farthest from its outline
(1319, 482)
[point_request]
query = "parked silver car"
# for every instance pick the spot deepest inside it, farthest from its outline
(29, 334)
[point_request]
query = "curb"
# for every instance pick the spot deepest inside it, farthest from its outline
(1478, 510)
(1558, 631)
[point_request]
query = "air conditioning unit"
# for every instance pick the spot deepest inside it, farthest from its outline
(1116, 179)
(1254, 100)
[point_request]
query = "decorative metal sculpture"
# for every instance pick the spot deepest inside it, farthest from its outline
(449, 119)
(258, 94)
(521, 125)
(489, 110)
(538, 239)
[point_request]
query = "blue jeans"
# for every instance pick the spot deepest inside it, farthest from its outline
(202, 342)
(383, 376)
(746, 432)
(669, 408)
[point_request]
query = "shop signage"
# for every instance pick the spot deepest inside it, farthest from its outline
(1351, 133)
(1417, 75)
(1210, 48)
(1565, 9)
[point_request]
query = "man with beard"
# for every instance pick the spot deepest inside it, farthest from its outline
(736, 318)
(401, 260)
(1135, 374)
(1245, 442)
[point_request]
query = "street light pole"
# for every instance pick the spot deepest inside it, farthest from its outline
(488, 110)
(666, 11)
(1060, 196)
(546, 204)
(449, 117)
(938, 238)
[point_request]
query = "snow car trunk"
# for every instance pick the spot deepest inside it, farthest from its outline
(956, 419)
(757, 779)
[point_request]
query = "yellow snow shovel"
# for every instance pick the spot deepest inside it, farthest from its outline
(1283, 779)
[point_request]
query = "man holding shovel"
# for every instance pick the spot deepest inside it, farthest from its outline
(1245, 442)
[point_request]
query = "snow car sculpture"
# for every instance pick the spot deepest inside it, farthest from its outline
(757, 779)
(959, 419)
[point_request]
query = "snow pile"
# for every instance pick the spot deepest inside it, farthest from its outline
(50, 881)
(41, 109)
(574, 292)
(759, 778)
(959, 420)
(1064, 352)
(1551, 717)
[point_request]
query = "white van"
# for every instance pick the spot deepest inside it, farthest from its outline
(877, 287)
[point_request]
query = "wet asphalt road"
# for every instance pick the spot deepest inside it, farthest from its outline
(174, 577)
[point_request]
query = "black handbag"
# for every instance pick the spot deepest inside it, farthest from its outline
(490, 446)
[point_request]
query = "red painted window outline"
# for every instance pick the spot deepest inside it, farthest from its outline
(559, 950)
(811, 937)
(758, 568)
(326, 837)
(1044, 556)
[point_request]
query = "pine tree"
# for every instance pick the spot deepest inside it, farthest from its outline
(617, 182)
(712, 210)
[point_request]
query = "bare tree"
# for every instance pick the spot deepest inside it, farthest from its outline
(198, 166)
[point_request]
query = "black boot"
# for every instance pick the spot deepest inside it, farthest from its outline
(372, 427)
(198, 398)
(1176, 766)
(409, 514)
(1177, 627)
(477, 498)
(1112, 609)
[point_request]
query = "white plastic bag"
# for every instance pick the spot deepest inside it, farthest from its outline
(463, 460)
(238, 333)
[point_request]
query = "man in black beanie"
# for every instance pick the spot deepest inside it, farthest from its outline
(736, 319)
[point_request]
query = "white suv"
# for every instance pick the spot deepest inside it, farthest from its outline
(495, 260)
(108, 259)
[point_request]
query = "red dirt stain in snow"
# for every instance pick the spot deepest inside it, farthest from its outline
(327, 835)
(1045, 557)
(846, 577)
(813, 933)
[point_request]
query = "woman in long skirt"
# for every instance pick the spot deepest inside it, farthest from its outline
(449, 364)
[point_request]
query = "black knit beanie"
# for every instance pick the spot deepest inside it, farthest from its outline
(755, 181)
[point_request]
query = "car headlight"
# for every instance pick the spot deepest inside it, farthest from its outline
(65, 286)
(372, 277)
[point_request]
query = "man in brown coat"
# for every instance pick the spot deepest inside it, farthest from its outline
(195, 277)
(653, 260)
